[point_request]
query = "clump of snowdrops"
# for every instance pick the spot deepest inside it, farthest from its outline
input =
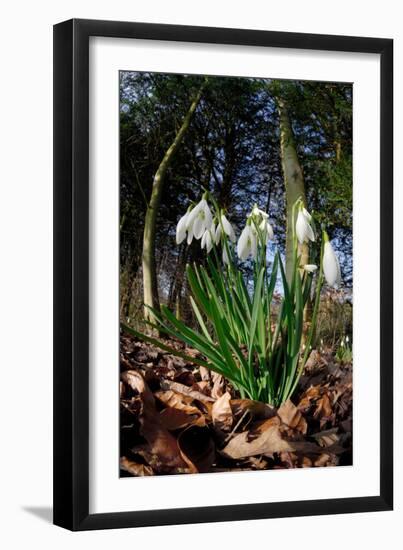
(261, 348)
(344, 353)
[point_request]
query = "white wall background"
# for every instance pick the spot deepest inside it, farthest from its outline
(26, 275)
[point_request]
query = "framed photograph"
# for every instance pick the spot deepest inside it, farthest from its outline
(223, 293)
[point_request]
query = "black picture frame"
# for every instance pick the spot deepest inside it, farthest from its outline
(71, 274)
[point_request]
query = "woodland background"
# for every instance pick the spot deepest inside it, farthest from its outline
(243, 139)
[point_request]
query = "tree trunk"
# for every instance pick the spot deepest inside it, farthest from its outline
(150, 283)
(294, 183)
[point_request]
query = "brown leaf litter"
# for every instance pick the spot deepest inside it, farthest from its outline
(178, 418)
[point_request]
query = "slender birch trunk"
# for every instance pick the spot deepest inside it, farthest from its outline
(150, 283)
(293, 180)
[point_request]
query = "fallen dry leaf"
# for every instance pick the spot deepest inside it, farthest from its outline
(268, 442)
(176, 419)
(139, 470)
(185, 390)
(218, 385)
(204, 374)
(180, 411)
(160, 440)
(222, 412)
(327, 438)
(292, 417)
(323, 409)
(308, 397)
(257, 409)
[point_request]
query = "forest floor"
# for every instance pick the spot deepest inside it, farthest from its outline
(178, 418)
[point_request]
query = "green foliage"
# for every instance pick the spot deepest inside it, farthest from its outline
(257, 346)
(344, 353)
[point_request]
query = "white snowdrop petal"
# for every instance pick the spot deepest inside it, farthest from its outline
(243, 252)
(182, 222)
(208, 217)
(309, 232)
(180, 236)
(218, 234)
(203, 241)
(270, 232)
(310, 268)
(198, 227)
(303, 229)
(209, 242)
(300, 228)
(243, 243)
(331, 267)
(228, 228)
(253, 247)
(191, 217)
(181, 229)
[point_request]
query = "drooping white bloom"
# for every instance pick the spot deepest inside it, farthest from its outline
(258, 212)
(199, 219)
(261, 220)
(207, 241)
(181, 229)
(225, 258)
(310, 267)
(228, 229)
(303, 228)
(331, 266)
(266, 230)
(217, 235)
(247, 243)
(306, 214)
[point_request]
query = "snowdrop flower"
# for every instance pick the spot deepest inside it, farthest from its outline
(190, 237)
(181, 229)
(262, 221)
(347, 339)
(228, 229)
(303, 228)
(266, 229)
(217, 236)
(207, 241)
(225, 258)
(258, 212)
(247, 243)
(310, 267)
(331, 266)
(199, 219)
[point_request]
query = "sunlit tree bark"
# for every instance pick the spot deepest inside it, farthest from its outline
(293, 180)
(150, 283)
